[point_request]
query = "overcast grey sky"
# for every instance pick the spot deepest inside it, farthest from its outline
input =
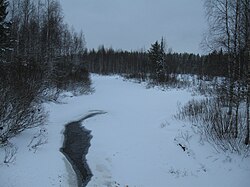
(135, 24)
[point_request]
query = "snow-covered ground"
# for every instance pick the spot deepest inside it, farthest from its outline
(135, 144)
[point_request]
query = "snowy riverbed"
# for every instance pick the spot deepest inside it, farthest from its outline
(136, 143)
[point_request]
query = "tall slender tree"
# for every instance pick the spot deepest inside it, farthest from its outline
(247, 139)
(5, 40)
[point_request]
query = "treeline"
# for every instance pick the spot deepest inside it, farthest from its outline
(110, 61)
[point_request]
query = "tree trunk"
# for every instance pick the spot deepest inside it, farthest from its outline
(248, 77)
(230, 64)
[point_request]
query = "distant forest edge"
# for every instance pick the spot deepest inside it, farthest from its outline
(110, 61)
(42, 57)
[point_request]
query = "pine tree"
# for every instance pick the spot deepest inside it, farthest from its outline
(4, 30)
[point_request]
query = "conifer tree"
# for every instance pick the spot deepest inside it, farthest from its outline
(157, 59)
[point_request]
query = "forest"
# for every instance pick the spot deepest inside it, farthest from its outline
(41, 56)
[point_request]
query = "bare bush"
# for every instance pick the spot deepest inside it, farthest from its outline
(40, 138)
(10, 153)
(20, 106)
(225, 132)
(24, 88)
(19, 116)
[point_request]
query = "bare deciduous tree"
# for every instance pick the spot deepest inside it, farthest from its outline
(229, 31)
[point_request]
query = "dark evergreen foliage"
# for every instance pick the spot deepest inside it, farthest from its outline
(157, 61)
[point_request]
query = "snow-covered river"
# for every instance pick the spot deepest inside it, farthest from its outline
(135, 144)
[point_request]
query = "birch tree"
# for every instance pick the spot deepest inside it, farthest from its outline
(228, 22)
(5, 39)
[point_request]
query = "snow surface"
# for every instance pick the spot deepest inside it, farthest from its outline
(135, 144)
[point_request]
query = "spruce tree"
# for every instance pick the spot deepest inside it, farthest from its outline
(4, 30)
(157, 59)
